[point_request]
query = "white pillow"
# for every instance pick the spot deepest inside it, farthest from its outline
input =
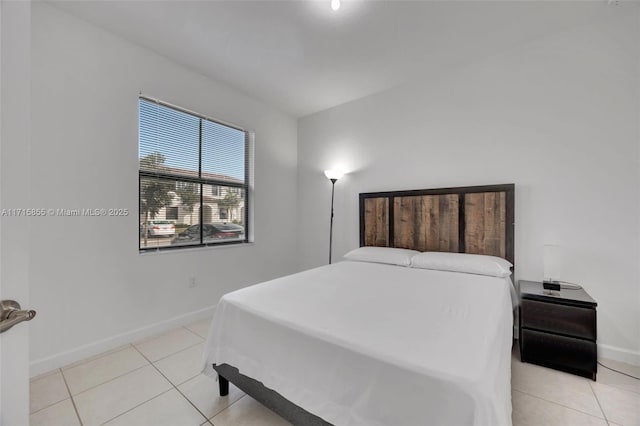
(392, 256)
(461, 262)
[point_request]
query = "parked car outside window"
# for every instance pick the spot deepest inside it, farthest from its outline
(159, 228)
(211, 232)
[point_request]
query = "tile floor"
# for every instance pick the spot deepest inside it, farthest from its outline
(157, 382)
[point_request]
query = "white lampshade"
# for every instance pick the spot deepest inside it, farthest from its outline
(552, 262)
(333, 174)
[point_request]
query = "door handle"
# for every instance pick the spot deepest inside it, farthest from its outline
(11, 314)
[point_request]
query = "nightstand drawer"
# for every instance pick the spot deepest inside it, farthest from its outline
(565, 353)
(555, 318)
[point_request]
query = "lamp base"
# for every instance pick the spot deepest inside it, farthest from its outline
(551, 285)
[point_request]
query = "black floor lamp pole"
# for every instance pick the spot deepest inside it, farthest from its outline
(333, 187)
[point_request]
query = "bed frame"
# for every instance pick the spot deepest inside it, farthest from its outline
(471, 219)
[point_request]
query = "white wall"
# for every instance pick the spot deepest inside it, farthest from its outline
(88, 281)
(638, 124)
(15, 139)
(558, 117)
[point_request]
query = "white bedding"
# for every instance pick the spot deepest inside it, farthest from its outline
(371, 344)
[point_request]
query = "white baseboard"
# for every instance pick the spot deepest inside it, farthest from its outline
(61, 359)
(619, 354)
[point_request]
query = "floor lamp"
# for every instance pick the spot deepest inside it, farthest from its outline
(333, 176)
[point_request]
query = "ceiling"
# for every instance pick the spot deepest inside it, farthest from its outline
(302, 57)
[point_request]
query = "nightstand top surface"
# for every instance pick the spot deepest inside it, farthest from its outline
(534, 290)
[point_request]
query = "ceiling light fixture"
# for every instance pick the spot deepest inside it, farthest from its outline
(335, 4)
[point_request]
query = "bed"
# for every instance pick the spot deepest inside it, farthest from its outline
(363, 342)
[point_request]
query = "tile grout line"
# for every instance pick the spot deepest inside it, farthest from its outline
(191, 403)
(562, 405)
(209, 420)
(227, 407)
(185, 381)
(99, 384)
(114, 351)
(193, 332)
(133, 408)
(620, 387)
(51, 373)
(150, 399)
(134, 344)
(598, 401)
(174, 386)
(44, 375)
(202, 337)
(110, 380)
(71, 396)
(171, 354)
(120, 349)
(95, 357)
(73, 402)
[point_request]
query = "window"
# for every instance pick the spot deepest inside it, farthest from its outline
(171, 213)
(192, 171)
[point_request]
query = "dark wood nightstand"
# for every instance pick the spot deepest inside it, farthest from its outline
(558, 329)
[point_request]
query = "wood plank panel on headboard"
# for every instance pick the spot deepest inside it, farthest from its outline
(485, 215)
(427, 222)
(472, 219)
(376, 222)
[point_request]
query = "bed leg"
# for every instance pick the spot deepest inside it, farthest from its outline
(223, 384)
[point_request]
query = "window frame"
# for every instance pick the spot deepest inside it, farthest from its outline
(201, 181)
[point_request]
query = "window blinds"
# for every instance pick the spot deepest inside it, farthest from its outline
(193, 171)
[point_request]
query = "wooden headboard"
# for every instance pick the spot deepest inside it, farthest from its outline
(471, 219)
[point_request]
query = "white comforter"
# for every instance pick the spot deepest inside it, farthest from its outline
(371, 344)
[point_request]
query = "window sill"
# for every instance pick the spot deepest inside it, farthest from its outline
(151, 252)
